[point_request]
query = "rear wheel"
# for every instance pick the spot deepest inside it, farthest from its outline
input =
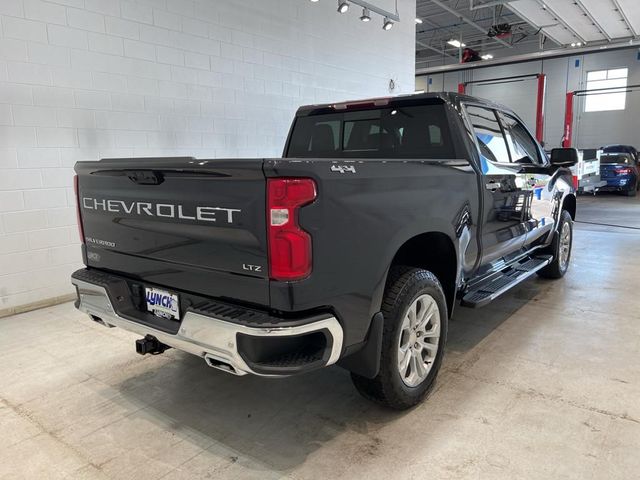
(632, 191)
(560, 248)
(414, 334)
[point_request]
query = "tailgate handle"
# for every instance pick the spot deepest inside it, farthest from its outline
(145, 177)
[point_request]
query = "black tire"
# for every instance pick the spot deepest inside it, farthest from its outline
(404, 286)
(557, 269)
(632, 192)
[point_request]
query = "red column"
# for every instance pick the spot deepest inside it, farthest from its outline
(461, 88)
(542, 86)
(568, 121)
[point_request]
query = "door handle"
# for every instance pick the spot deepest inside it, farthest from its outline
(493, 186)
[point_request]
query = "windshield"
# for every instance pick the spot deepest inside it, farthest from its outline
(394, 132)
(620, 158)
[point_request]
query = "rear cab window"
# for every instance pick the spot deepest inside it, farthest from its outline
(420, 131)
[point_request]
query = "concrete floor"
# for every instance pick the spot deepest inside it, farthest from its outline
(544, 383)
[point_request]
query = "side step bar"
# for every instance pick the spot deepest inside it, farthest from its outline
(498, 283)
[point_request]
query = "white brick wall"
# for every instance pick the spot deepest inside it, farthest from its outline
(85, 79)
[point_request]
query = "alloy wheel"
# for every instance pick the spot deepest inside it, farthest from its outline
(565, 245)
(419, 338)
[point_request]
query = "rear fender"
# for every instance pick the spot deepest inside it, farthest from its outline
(442, 254)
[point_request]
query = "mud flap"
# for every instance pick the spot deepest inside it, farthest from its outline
(366, 361)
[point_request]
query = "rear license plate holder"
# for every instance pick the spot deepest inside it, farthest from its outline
(162, 303)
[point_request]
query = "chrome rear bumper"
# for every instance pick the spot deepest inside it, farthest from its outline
(211, 338)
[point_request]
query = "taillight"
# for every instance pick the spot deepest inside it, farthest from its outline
(79, 217)
(623, 171)
(289, 245)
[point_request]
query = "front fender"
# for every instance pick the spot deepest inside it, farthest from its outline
(561, 184)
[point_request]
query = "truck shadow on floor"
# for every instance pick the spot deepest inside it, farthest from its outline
(277, 423)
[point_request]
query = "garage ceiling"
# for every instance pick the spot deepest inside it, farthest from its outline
(535, 25)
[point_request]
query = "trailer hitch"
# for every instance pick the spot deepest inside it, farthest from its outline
(150, 344)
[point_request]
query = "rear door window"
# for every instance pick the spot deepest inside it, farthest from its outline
(523, 146)
(400, 132)
(491, 138)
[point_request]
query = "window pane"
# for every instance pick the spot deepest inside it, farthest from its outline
(606, 100)
(599, 75)
(617, 73)
(435, 135)
(400, 132)
(619, 158)
(522, 145)
(490, 138)
(363, 135)
(315, 136)
(616, 82)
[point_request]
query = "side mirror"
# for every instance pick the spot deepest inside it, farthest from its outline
(564, 157)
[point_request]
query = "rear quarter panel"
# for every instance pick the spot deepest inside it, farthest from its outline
(360, 220)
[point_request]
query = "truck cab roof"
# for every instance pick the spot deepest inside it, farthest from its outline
(452, 98)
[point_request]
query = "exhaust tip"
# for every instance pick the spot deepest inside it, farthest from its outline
(99, 320)
(221, 365)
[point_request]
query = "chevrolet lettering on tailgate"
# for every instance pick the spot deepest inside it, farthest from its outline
(168, 210)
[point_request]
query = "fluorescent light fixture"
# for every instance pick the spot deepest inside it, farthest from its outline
(486, 56)
(343, 6)
(366, 15)
(387, 24)
(456, 43)
(314, 1)
(418, 21)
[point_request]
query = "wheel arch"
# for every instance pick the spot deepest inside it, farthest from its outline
(435, 252)
(569, 204)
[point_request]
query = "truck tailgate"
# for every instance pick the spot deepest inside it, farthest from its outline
(182, 223)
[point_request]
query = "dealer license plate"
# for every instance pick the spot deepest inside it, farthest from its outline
(162, 303)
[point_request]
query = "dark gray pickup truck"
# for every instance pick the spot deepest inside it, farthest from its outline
(352, 249)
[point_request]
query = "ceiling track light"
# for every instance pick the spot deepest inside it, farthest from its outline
(418, 20)
(343, 6)
(389, 18)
